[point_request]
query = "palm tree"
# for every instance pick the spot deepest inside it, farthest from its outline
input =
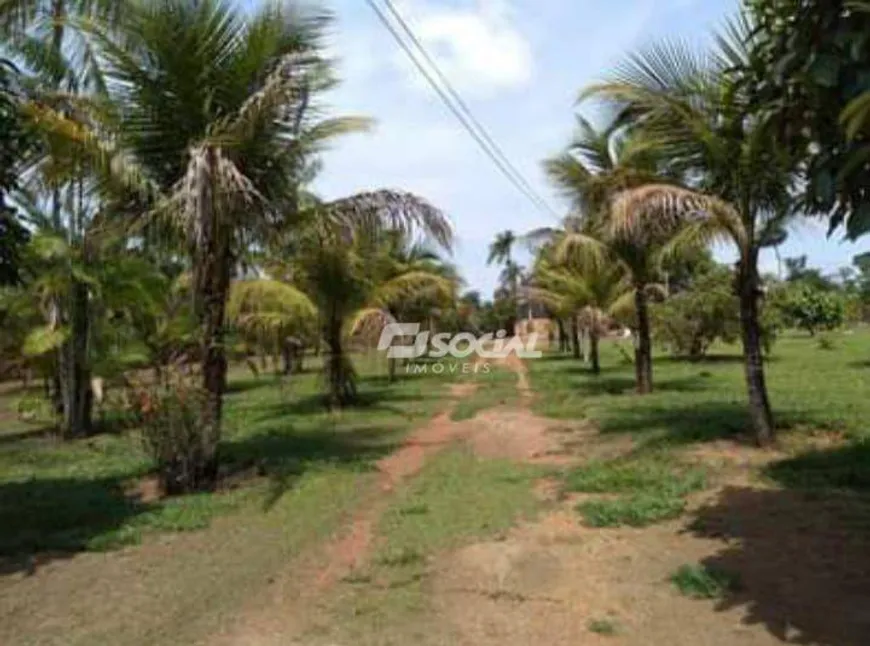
(739, 181)
(356, 284)
(501, 252)
(598, 165)
(62, 72)
(272, 315)
(227, 170)
(590, 293)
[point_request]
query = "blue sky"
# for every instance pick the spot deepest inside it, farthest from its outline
(519, 64)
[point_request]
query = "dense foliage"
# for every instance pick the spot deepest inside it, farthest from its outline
(812, 309)
(809, 73)
(690, 321)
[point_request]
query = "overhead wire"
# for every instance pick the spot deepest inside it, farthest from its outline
(454, 102)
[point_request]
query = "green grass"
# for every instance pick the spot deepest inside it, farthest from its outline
(652, 489)
(634, 475)
(73, 496)
(638, 510)
(694, 402)
(604, 627)
(700, 582)
(812, 391)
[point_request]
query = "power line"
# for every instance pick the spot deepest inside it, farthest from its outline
(462, 104)
(463, 113)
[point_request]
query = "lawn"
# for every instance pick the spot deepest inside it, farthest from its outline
(820, 398)
(80, 495)
(812, 389)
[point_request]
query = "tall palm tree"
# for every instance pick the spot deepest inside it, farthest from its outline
(740, 180)
(597, 166)
(501, 252)
(62, 72)
(209, 105)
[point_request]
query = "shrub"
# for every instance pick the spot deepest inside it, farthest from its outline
(812, 309)
(173, 435)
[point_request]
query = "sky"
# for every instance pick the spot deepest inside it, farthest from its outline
(519, 65)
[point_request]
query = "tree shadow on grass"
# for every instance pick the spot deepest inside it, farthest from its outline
(601, 385)
(370, 400)
(711, 359)
(802, 559)
(284, 456)
(839, 469)
(23, 435)
(59, 516)
(667, 424)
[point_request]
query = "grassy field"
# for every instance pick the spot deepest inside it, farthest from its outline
(77, 495)
(80, 532)
(815, 393)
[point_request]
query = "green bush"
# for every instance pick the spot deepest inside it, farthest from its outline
(813, 309)
(173, 434)
(690, 321)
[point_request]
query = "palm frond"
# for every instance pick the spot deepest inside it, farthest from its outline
(856, 116)
(410, 286)
(368, 322)
(581, 247)
(269, 306)
(390, 210)
(622, 307)
(661, 210)
(44, 339)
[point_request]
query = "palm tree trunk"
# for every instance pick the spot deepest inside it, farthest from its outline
(593, 351)
(75, 378)
(643, 351)
(339, 371)
(215, 291)
(563, 337)
(575, 337)
(759, 405)
(212, 269)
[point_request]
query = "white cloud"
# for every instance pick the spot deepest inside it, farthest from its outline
(479, 48)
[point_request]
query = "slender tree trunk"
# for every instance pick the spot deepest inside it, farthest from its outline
(593, 351)
(391, 368)
(643, 351)
(563, 336)
(216, 282)
(575, 337)
(340, 374)
(75, 377)
(213, 264)
(286, 357)
(759, 405)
